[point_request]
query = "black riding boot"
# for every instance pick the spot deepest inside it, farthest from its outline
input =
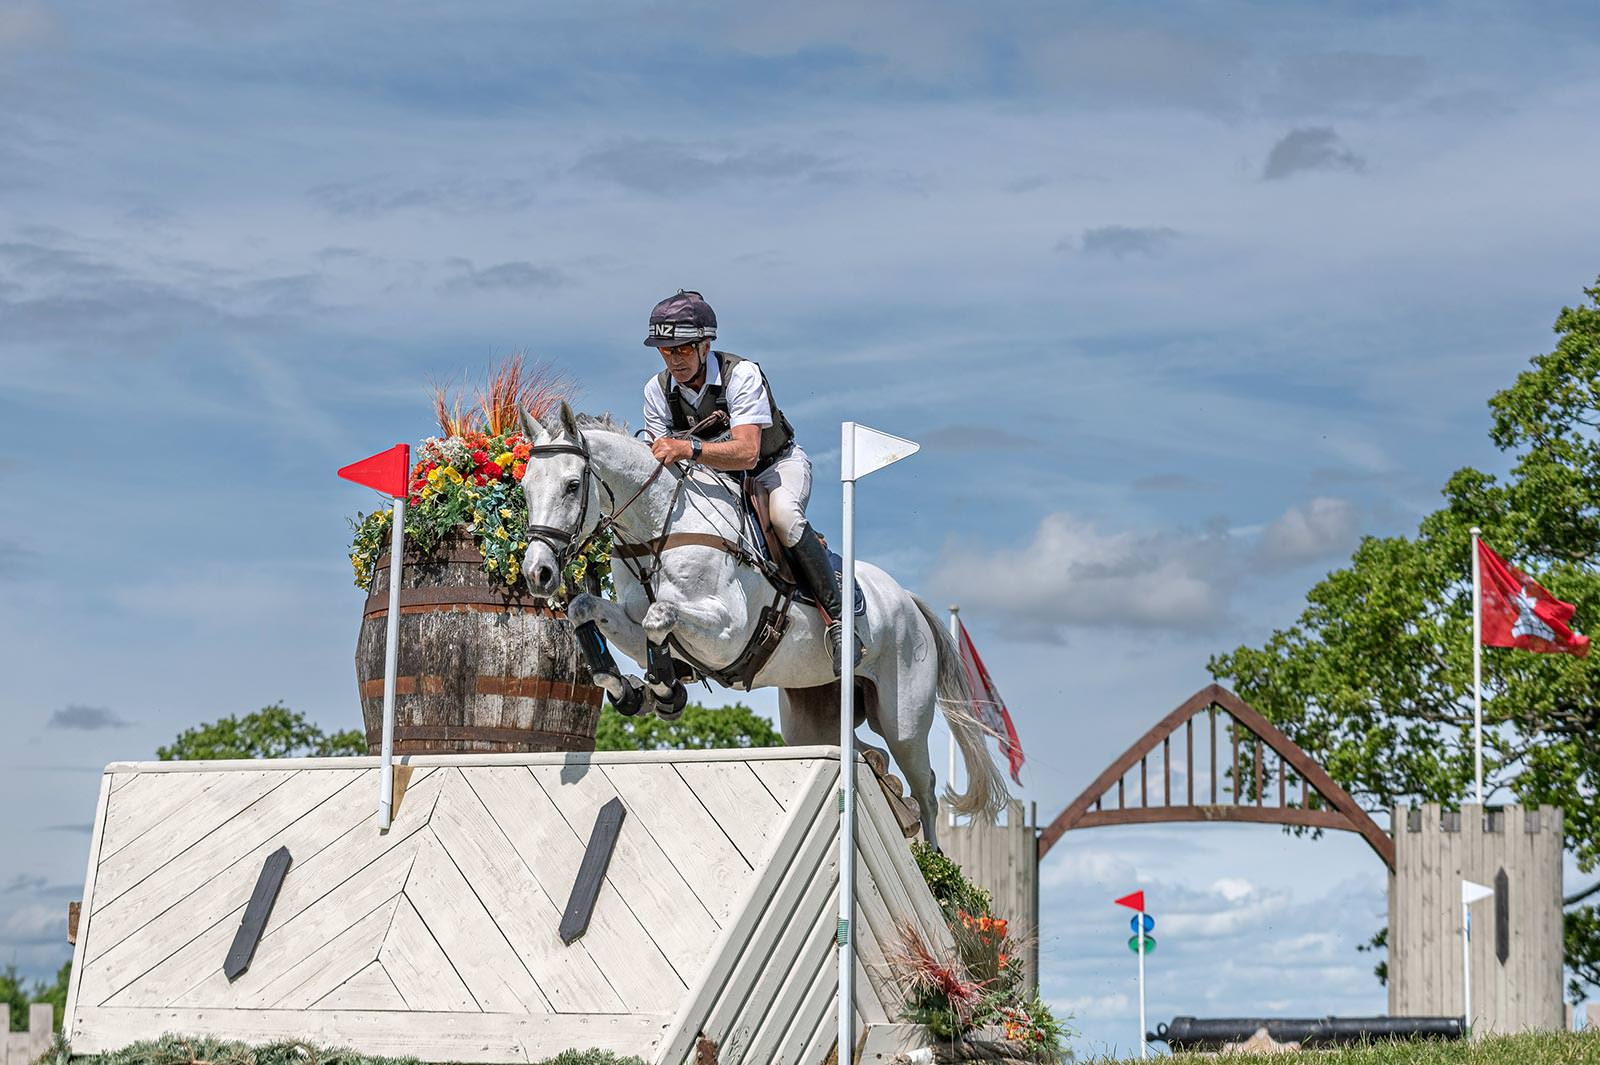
(811, 558)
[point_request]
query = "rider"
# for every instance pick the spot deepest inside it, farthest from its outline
(698, 382)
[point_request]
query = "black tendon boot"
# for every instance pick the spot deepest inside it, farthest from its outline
(811, 558)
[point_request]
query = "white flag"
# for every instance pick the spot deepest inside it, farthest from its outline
(1471, 892)
(867, 451)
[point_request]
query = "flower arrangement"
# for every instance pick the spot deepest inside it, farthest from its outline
(469, 478)
(980, 983)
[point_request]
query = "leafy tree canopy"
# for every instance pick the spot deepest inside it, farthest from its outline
(14, 992)
(274, 731)
(700, 728)
(1375, 678)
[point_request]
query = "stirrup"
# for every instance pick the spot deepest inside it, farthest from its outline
(835, 637)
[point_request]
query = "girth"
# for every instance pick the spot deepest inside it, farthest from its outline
(771, 624)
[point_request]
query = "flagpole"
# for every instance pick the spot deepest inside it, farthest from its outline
(1477, 666)
(847, 761)
(950, 776)
(1144, 1048)
(391, 659)
(1466, 967)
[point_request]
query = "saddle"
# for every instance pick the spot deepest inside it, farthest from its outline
(758, 518)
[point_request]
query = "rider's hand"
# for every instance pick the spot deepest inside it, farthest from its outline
(671, 449)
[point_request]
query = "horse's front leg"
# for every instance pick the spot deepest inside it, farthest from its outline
(695, 622)
(600, 624)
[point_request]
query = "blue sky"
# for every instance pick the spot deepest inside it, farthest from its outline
(1181, 300)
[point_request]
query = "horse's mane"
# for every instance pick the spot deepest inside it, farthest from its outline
(602, 422)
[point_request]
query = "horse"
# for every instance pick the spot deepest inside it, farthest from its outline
(701, 594)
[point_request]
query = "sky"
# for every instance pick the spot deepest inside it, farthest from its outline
(1181, 300)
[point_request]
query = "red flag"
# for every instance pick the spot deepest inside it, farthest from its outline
(387, 471)
(1132, 902)
(987, 704)
(1519, 613)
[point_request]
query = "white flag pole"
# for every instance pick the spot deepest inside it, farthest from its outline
(1466, 968)
(391, 658)
(1477, 667)
(1144, 1048)
(1470, 893)
(847, 754)
(862, 451)
(950, 775)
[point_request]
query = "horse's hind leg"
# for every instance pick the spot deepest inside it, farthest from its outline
(906, 734)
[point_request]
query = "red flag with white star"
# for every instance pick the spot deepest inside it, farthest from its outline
(1517, 612)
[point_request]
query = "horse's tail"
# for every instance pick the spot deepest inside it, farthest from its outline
(986, 792)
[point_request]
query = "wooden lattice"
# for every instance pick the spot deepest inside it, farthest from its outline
(1258, 762)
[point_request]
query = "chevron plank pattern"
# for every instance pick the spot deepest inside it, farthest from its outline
(439, 938)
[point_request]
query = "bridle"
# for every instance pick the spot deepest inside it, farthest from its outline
(564, 543)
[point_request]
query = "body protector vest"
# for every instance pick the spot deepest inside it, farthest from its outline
(775, 438)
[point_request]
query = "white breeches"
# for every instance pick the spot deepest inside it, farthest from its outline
(789, 482)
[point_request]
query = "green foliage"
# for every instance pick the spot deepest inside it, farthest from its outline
(950, 886)
(1583, 949)
(274, 731)
(20, 997)
(177, 1050)
(1375, 678)
(700, 728)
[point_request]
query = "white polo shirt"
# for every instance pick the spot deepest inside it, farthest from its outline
(746, 395)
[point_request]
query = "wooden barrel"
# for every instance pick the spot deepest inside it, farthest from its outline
(481, 666)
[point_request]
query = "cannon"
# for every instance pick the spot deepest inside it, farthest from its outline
(1194, 1033)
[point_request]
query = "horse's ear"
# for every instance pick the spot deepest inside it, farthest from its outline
(531, 429)
(569, 423)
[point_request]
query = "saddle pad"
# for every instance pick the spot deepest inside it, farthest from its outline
(804, 594)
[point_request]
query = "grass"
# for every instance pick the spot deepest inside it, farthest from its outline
(1540, 1048)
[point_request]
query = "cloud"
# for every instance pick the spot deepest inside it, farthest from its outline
(513, 276)
(1122, 241)
(667, 167)
(85, 829)
(1072, 574)
(24, 882)
(1310, 148)
(1322, 528)
(973, 438)
(369, 199)
(86, 718)
(1348, 80)
(25, 25)
(1171, 482)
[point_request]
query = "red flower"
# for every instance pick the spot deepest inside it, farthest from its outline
(519, 470)
(491, 470)
(479, 458)
(521, 452)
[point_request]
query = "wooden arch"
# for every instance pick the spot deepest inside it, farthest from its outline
(1321, 803)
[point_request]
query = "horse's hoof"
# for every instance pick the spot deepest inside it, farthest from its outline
(671, 708)
(632, 701)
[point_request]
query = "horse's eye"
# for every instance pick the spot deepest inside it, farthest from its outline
(572, 488)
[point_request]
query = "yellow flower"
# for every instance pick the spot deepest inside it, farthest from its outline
(434, 475)
(492, 564)
(453, 473)
(502, 534)
(505, 512)
(504, 461)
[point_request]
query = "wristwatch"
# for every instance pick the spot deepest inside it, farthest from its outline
(694, 450)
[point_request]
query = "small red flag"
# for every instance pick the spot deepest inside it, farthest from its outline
(1132, 902)
(1519, 613)
(387, 471)
(990, 708)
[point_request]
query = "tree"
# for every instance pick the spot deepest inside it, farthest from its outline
(274, 731)
(700, 728)
(19, 997)
(1375, 678)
